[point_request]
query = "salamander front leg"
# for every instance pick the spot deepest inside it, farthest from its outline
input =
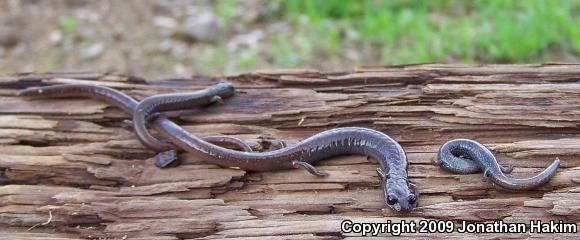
(416, 192)
(128, 124)
(311, 169)
(382, 174)
(435, 161)
(217, 99)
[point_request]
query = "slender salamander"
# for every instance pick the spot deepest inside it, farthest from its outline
(170, 102)
(350, 140)
(129, 105)
(339, 141)
(466, 156)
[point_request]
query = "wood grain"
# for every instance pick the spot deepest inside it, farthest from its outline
(68, 169)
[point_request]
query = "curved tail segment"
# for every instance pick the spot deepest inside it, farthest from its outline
(465, 156)
(167, 154)
(106, 94)
(527, 183)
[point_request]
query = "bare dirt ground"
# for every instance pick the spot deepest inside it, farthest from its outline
(150, 38)
(179, 38)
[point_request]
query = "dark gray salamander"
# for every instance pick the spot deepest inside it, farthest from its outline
(170, 102)
(151, 105)
(128, 104)
(106, 94)
(339, 141)
(466, 156)
(392, 158)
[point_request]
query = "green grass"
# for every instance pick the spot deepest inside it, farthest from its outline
(412, 31)
(67, 23)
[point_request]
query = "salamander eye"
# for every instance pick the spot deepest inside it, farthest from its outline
(392, 200)
(412, 199)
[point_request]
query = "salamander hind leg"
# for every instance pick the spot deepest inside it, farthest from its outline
(271, 145)
(507, 169)
(163, 159)
(127, 125)
(154, 116)
(485, 176)
(226, 141)
(311, 169)
(276, 144)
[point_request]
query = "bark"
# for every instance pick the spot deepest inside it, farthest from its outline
(69, 169)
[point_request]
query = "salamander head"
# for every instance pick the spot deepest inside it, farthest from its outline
(397, 193)
(223, 89)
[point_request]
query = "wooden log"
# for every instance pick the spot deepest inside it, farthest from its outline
(68, 169)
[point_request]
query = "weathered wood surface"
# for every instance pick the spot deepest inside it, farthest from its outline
(68, 169)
